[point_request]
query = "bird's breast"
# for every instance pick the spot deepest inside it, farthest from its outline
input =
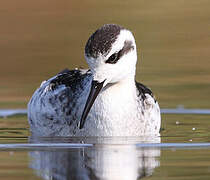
(114, 111)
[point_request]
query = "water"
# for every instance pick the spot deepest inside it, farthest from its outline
(106, 162)
(180, 110)
(126, 158)
(40, 38)
(182, 151)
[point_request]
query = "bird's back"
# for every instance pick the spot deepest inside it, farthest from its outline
(57, 104)
(149, 109)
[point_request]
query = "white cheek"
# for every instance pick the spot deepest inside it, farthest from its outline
(125, 68)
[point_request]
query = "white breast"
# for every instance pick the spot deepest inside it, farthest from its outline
(115, 112)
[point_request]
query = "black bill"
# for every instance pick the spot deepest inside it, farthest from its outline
(94, 91)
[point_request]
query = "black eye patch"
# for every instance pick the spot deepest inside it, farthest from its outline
(116, 56)
(113, 58)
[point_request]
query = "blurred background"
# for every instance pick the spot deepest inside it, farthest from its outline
(40, 38)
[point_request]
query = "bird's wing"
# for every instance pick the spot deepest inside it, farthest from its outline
(59, 101)
(143, 90)
(149, 108)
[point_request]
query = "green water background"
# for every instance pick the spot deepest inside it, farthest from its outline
(40, 38)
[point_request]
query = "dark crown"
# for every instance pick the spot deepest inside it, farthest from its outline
(101, 41)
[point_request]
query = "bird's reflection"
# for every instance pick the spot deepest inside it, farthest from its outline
(108, 160)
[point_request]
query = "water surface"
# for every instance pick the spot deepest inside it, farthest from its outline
(182, 151)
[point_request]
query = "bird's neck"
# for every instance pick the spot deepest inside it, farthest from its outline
(125, 87)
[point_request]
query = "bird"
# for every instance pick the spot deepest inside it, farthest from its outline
(102, 101)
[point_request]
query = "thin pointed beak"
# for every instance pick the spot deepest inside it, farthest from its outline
(94, 91)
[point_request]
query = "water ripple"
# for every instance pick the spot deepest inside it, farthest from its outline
(179, 110)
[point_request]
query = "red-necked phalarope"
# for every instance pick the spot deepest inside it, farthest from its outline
(103, 101)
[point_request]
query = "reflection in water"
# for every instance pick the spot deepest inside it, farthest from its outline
(102, 161)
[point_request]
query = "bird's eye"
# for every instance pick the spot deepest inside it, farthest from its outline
(113, 58)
